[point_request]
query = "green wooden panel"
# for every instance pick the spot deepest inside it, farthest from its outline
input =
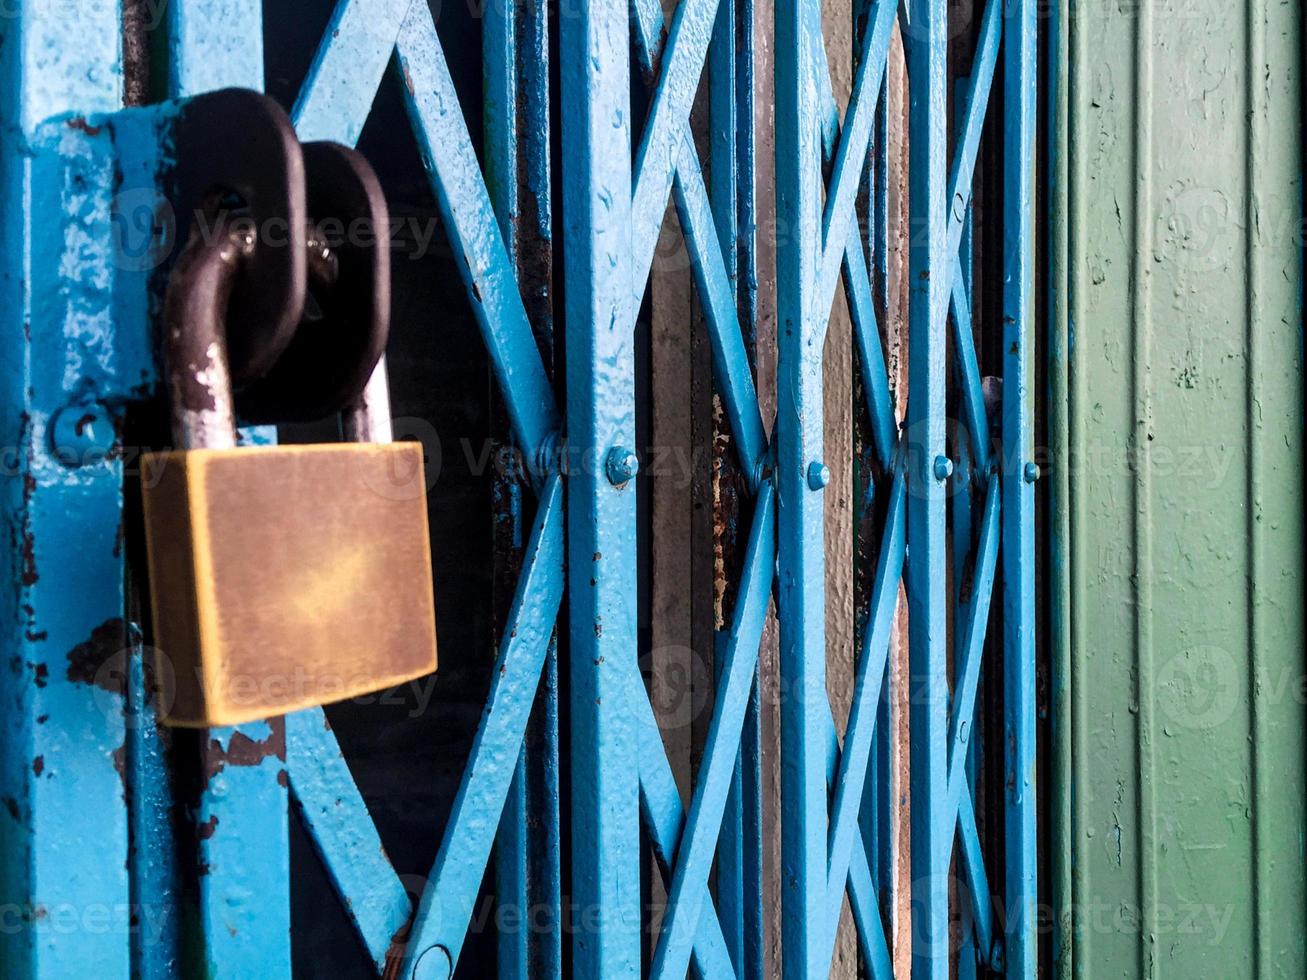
(1178, 615)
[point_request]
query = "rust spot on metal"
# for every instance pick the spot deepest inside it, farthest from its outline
(79, 123)
(86, 660)
(395, 955)
(42, 674)
(203, 831)
(29, 574)
(243, 751)
(283, 779)
(38, 765)
(12, 806)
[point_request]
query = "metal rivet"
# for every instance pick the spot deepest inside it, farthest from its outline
(622, 465)
(81, 435)
(1032, 472)
(433, 964)
(818, 475)
(943, 467)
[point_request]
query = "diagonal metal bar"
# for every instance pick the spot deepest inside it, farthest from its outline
(972, 394)
(664, 817)
(872, 664)
(689, 888)
(866, 915)
(972, 647)
(976, 104)
(337, 95)
(342, 832)
(851, 153)
(712, 279)
(871, 355)
(857, 278)
(448, 899)
(682, 58)
(470, 223)
(731, 366)
(973, 867)
(862, 889)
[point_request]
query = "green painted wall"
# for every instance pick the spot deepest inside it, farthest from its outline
(1178, 614)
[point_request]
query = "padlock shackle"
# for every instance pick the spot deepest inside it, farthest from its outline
(195, 339)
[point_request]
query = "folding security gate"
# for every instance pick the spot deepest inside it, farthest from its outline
(88, 860)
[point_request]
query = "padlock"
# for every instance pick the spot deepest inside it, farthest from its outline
(281, 577)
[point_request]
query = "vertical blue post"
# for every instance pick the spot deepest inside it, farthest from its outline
(65, 901)
(515, 43)
(1018, 476)
(594, 46)
(802, 607)
(930, 268)
(730, 80)
(242, 821)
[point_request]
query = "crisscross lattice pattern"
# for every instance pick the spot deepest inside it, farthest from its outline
(620, 772)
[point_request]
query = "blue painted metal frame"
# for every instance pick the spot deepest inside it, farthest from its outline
(834, 838)
(818, 246)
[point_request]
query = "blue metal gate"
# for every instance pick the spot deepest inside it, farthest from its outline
(87, 873)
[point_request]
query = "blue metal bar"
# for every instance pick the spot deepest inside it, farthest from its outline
(664, 816)
(973, 867)
(971, 644)
(64, 824)
(337, 821)
(210, 45)
(713, 280)
(680, 59)
(155, 877)
(731, 366)
(730, 94)
(873, 663)
(499, 57)
(342, 81)
(801, 605)
(851, 154)
(975, 105)
(594, 62)
(469, 221)
(930, 252)
(446, 907)
(882, 794)
(862, 887)
(536, 201)
(1017, 475)
(972, 396)
(871, 355)
(961, 522)
(244, 853)
(698, 840)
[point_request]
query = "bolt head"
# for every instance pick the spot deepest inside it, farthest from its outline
(943, 468)
(81, 434)
(1032, 472)
(622, 465)
(433, 964)
(818, 475)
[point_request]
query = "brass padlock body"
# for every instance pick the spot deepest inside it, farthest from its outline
(286, 576)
